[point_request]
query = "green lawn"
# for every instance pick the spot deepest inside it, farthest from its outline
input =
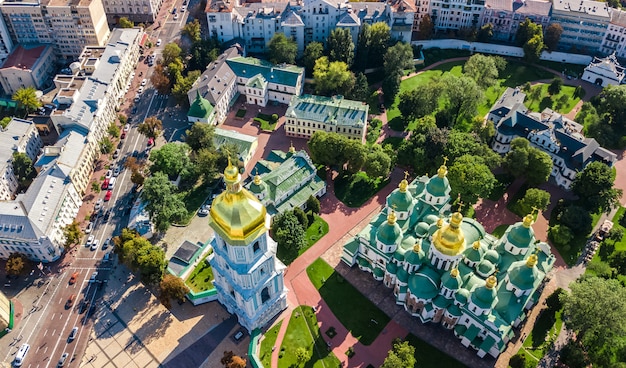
(552, 102)
(241, 113)
(193, 199)
(515, 74)
(430, 357)
(357, 189)
(269, 340)
(302, 331)
(317, 229)
(264, 121)
(545, 331)
(201, 279)
(366, 321)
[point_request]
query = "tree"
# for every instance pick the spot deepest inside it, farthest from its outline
(534, 198)
(594, 187)
(313, 204)
(354, 155)
(460, 143)
(288, 232)
(203, 52)
(484, 69)
(419, 102)
(125, 23)
(398, 58)
(162, 204)
(555, 86)
(170, 53)
(151, 263)
(183, 85)
(282, 49)
(596, 311)
(5, 122)
(402, 355)
(527, 30)
(618, 260)
(332, 77)
(612, 103)
(27, 99)
(301, 216)
(553, 36)
(380, 36)
(23, 167)
(518, 361)
(533, 48)
(106, 146)
(151, 127)
(114, 130)
(362, 49)
(137, 178)
(391, 86)
(471, 178)
(326, 148)
(303, 355)
(72, 234)
(312, 52)
(200, 136)
(425, 28)
(361, 89)
(560, 235)
(172, 287)
(539, 166)
(170, 159)
(485, 33)
(160, 80)
(206, 160)
(230, 360)
(576, 218)
(463, 95)
(377, 162)
(192, 30)
(15, 264)
(340, 46)
(529, 162)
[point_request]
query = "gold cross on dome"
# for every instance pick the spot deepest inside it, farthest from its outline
(535, 210)
(394, 206)
(406, 175)
(445, 160)
(461, 204)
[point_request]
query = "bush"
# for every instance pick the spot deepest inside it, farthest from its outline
(274, 118)
(518, 360)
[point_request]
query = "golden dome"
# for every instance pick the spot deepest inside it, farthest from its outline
(292, 149)
(442, 172)
(454, 272)
(236, 214)
(491, 282)
(403, 185)
(257, 179)
(476, 245)
(440, 222)
(531, 261)
(528, 220)
(449, 239)
(418, 246)
(391, 217)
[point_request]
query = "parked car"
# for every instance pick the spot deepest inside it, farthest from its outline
(137, 98)
(73, 334)
(140, 90)
(116, 154)
(109, 174)
(123, 135)
(144, 82)
(176, 16)
(70, 301)
(183, 8)
(95, 244)
(90, 240)
(105, 183)
(89, 228)
(106, 243)
(117, 170)
(204, 210)
(150, 142)
(93, 276)
(158, 43)
(107, 197)
(106, 258)
(99, 204)
(107, 214)
(126, 127)
(74, 277)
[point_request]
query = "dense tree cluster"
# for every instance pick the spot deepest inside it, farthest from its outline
(530, 37)
(401, 355)
(140, 255)
(72, 233)
(172, 287)
(528, 162)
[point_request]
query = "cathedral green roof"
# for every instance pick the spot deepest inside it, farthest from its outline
(523, 276)
(378, 272)
(520, 235)
(462, 296)
(392, 267)
(414, 258)
(450, 282)
(389, 234)
(400, 201)
(402, 275)
(200, 108)
(437, 186)
(421, 229)
(441, 302)
(484, 297)
(425, 283)
(455, 310)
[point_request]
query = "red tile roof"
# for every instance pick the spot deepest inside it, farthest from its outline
(24, 57)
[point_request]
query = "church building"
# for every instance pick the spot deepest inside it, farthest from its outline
(444, 268)
(248, 277)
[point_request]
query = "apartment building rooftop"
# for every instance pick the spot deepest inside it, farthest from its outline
(66, 151)
(24, 57)
(70, 3)
(595, 8)
(216, 78)
(532, 7)
(13, 134)
(618, 17)
(334, 110)
(261, 10)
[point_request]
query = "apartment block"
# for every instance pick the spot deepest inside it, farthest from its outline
(69, 25)
(138, 11)
(88, 101)
(33, 223)
(307, 114)
(454, 14)
(506, 15)
(28, 66)
(584, 24)
(19, 136)
(614, 37)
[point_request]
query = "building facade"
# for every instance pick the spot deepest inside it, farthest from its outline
(286, 180)
(613, 41)
(248, 277)
(69, 25)
(454, 14)
(584, 24)
(549, 131)
(19, 136)
(307, 114)
(505, 16)
(28, 66)
(604, 71)
(445, 269)
(138, 11)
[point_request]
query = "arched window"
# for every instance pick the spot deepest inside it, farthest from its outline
(265, 295)
(256, 247)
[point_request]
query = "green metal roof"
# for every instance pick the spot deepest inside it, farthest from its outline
(248, 67)
(200, 108)
(389, 234)
(438, 186)
(257, 82)
(400, 201)
(484, 297)
(520, 235)
(334, 110)
(392, 267)
(425, 283)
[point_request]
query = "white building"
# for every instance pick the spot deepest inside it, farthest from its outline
(19, 136)
(138, 11)
(88, 101)
(604, 72)
(613, 41)
(584, 23)
(28, 66)
(454, 14)
(505, 16)
(33, 223)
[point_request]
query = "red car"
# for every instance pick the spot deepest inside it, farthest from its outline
(105, 184)
(107, 197)
(150, 142)
(73, 278)
(123, 135)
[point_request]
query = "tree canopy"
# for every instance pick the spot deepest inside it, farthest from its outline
(151, 127)
(332, 77)
(27, 99)
(421, 101)
(529, 162)
(72, 233)
(162, 203)
(200, 136)
(171, 159)
(125, 23)
(484, 69)
(380, 37)
(470, 178)
(192, 30)
(463, 95)
(312, 52)
(594, 187)
(553, 36)
(402, 355)
(288, 232)
(282, 49)
(23, 167)
(172, 287)
(340, 46)
(139, 254)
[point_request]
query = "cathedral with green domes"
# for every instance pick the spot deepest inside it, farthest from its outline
(444, 268)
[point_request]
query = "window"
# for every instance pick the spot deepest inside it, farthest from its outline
(256, 247)
(265, 295)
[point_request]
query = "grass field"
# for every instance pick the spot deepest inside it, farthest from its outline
(342, 298)
(429, 357)
(269, 340)
(303, 332)
(552, 102)
(317, 229)
(201, 279)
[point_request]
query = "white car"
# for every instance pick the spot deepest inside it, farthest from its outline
(143, 82)
(140, 90)
(137, 99)
(99, 204)
(109, 174)
(176, 16)
(183, 8)
(95, 244)
(90, 240)
(89, 228)
(158, 42)
(204, 210)
(117, 171)
(126, 127)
